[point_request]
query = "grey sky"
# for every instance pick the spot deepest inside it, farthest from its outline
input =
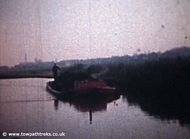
(80, 29)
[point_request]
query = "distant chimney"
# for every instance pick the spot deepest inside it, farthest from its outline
(25, 58)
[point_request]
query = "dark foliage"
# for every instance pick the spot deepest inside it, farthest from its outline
(161, 88)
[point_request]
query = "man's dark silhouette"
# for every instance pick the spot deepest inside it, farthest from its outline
(55, 70)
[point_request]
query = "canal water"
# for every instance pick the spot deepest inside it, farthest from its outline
(26, 106)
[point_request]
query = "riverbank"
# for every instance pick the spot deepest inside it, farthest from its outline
(25, 74)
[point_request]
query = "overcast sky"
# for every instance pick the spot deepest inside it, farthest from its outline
(81, 29)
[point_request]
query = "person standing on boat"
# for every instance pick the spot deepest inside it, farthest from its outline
(55, 70)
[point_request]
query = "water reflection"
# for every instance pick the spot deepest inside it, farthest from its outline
(100, 117)
(56, 104)
(166, 108)
(88, 103)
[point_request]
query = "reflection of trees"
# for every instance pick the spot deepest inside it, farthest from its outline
(165, 103)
